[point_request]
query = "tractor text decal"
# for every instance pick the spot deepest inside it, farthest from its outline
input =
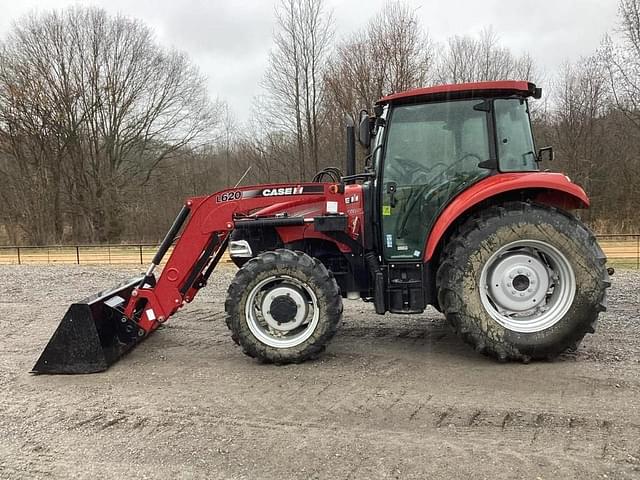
(272, 192)
(229, 196)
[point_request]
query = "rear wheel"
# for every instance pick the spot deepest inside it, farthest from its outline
(523, 282)
(283, 307)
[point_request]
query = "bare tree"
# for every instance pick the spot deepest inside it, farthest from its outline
(468, 59)
(293, 81)
(393, 53)
(30, 165)
(597, 145)
(229, 131)
(581, 104)
(96, 104)
(401, 50)
(623, 60)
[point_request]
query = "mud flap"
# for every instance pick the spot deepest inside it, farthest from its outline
(93, 334)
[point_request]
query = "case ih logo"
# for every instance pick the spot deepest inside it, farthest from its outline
(272, 192)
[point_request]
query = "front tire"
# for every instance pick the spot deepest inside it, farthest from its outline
(283, 307)
(522, 282)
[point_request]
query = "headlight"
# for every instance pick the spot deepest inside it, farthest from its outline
(240, 249)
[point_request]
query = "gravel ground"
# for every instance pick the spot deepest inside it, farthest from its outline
(393, 397)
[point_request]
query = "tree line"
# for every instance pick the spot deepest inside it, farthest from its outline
(104, 132)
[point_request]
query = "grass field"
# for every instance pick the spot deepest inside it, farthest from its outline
(621, 251)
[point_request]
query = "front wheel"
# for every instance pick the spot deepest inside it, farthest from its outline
(523, 281)
(283, 307)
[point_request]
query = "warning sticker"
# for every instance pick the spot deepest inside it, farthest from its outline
(386, 210)
(389, 240)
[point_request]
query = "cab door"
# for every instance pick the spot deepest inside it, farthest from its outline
(432, 152)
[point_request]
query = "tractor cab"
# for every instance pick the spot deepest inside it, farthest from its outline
(431, 144)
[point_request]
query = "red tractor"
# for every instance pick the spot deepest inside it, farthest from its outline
(451, 210)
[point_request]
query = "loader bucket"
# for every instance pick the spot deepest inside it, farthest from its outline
(93, 334)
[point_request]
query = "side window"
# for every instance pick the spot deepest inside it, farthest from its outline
(515, 141)
(432, 153)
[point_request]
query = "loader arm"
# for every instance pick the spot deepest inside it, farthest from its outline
(203, 240)
(98, 330)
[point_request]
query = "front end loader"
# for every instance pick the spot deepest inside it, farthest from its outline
(452, 210)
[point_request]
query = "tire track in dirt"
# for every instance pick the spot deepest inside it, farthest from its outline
(80, 409)
(173, 421)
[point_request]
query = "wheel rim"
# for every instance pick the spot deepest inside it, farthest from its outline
(527, 286)
(297, 311)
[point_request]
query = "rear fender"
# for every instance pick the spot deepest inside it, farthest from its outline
(553, 189)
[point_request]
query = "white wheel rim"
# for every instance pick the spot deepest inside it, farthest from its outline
(527, 286)
(265, 328)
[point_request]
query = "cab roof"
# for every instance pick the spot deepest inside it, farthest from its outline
(464, 90)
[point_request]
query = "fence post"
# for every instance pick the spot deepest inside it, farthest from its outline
(18, 249)
(141, 262)
(78, 254)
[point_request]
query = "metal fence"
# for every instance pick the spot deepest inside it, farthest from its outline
(78, 254)
(622, 250)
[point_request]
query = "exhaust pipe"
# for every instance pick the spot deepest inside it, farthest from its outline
(351, 147)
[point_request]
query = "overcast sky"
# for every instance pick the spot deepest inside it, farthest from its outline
(230, 40)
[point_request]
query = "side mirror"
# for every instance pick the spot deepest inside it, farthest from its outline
(364, 129)
(545, 154)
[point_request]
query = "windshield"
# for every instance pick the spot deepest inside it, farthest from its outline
(432, 153)
(515, 141)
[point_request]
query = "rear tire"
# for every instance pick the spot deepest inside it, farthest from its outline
(283, 307)
(522, 282)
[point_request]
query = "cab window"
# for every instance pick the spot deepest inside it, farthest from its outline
(516, 151)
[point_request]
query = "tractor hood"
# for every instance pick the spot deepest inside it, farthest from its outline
(293, 208)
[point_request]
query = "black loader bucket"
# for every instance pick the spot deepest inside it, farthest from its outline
(93, 334)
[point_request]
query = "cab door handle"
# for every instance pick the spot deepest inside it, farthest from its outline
(392, 188)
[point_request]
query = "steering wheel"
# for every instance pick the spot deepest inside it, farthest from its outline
(448, 168)
(442, 165)
(410, 170)
(409, 164)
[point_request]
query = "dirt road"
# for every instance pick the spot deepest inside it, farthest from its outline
(393, 397)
